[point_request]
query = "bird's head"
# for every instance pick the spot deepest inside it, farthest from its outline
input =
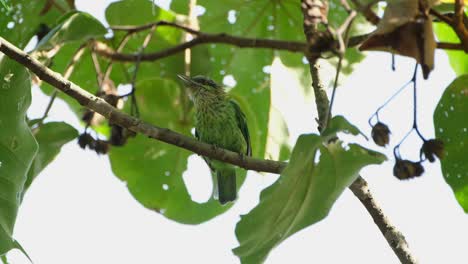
(202, 87)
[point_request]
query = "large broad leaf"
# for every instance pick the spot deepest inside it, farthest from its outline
(303, 195)
(21, 22)
(51, 137)
(17, 145)
(74, 26)
(457, 58)
(152, 169)
(452, 128)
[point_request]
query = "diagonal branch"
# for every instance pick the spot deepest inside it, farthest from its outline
(394, 238)
(100, 106)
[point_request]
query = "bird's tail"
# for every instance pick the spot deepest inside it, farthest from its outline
(227, 191)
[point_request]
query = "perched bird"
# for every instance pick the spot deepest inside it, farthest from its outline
(219, 121)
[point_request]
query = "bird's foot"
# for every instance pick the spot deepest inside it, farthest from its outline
(242, 158)
(214, 147)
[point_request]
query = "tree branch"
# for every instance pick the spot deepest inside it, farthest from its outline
(317, 45)
(394, 238)
(293, 46)
(366, 11)
(100, 106)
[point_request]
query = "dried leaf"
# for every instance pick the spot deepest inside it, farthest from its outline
(406, 29)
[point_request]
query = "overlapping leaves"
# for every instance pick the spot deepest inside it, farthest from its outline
(315, 177)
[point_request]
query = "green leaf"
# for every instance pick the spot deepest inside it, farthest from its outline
(153, 169)
(457, 58)
(316, 184)
(451, 127)
(21, 22)
(74, 26)
(340, 124)
(51, 137)
(17, 145)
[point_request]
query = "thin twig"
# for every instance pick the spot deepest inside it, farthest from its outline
(67, 73)
(366, 11)
(146, 41)
(120, 47)
(293, 46)
(97, 68)
(342, 35)
(449, 46)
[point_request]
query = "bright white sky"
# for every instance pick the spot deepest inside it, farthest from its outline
(78, 212)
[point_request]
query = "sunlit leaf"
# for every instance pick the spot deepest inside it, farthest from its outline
(458, 59)
(451, 127)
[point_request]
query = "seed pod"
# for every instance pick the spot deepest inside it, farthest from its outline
(433, 147)
(88, 116)
(406, 169)
(111, 99)
(101, 146)
(85, 140)
(381, 134)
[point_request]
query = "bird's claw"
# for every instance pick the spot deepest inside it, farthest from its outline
(242, 157)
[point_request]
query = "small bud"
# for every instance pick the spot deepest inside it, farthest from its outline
(117, 137)
(101, 147)
(406, 169)
(111, 99)
(87, 117)
(85, 140)
(381, 134)
(433, 147)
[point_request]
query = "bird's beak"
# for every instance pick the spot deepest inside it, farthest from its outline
(185, 79)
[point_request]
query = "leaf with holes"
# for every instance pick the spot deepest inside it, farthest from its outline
(51, 137)
(318, 174)
(153, 169)
(451, 127)
(17, 145)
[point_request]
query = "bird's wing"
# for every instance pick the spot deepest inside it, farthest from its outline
(242, 123)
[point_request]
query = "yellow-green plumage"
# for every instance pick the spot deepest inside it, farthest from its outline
(219, 121)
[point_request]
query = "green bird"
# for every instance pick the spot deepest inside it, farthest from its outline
(219, 121)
